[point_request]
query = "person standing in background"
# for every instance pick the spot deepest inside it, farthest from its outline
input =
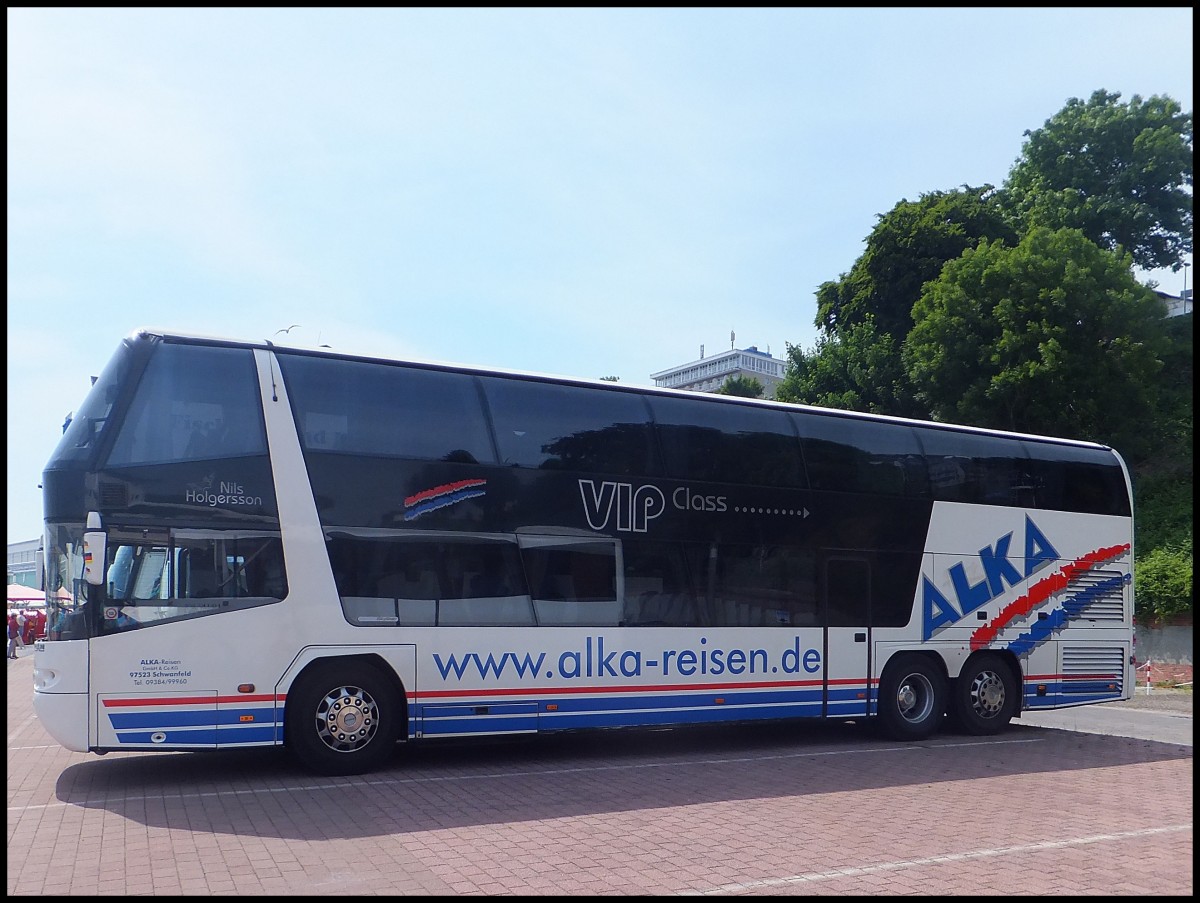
(13, 635)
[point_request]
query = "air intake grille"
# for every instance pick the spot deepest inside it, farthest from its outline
(113, 495)
(1093, 660)
(1100, 596)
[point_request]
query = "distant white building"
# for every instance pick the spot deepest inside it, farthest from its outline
(1177, 305)
(708, 374)
(22, 562)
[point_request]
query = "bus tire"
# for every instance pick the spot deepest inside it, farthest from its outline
(912, 697)
(984, 698)
(342, 718)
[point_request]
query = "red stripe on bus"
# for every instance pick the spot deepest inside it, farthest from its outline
(190, 700)
(653, 688)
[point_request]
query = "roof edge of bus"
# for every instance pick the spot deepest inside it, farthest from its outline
(326, 351)
(487, 370)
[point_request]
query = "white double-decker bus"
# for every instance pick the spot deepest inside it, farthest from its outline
(250, 545)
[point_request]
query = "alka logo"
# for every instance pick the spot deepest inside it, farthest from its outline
(998, 570)
(633, 508)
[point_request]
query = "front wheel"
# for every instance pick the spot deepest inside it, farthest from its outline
(912, 698)
(985, 696)
(342, 718)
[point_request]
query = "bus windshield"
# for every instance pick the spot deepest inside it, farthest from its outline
(66, 590)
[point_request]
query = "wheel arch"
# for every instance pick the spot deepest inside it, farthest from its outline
(311, 659)
(946, 663)
(896, 655)
(1005, 655)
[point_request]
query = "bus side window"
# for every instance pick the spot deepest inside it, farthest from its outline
(848, 591)
(573, 582)
(483, 585)
(410, 583)
(656, 591)
(265, 574)
(201, 575)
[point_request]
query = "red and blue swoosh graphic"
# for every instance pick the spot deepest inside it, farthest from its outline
(442, 496)
(1071, 607)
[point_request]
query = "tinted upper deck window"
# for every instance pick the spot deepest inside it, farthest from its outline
(972, 467)
(1077, 478)
(192, 402)
(846, 454)
(563, 427)
(361, 407)
(727, 442)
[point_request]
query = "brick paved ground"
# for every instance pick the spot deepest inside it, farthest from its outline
(763, 810)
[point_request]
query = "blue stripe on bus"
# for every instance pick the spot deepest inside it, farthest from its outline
(483, 716)
(706, 715)
(204, 737)
(679, 701)
(1045, 702)
(200, 737)
(259, 733)
(445, 727)
(622, 699)
(1102, 687)
(551, 721)
(1072, 691)
(467, 709)
(162, 719)
(1066, 684)
(168, 718)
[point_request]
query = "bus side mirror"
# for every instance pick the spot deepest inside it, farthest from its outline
(94, 550)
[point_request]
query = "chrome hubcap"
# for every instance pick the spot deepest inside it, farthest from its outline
(347, 719)
(914, 698)
(987, 694)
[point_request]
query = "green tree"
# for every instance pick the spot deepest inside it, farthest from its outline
(1054, 336)
(1024, 325)
(1165, 507)
(1172, 455)
(611, 379)
(856, 369)
(1163, 582)
(907, 248)
(742, 386)
(1162, 488)
(1121, 173)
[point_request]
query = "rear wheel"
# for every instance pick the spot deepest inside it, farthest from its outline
(912, 698)
(342, 718)
(985, 696)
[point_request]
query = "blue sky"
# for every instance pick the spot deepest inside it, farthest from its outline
(583, 192)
